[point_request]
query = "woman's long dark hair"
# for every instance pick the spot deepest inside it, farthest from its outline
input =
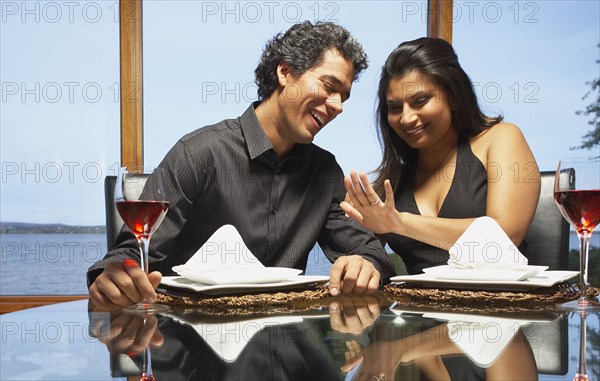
(434, 58)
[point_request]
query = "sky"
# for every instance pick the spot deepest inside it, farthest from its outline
(59, 72)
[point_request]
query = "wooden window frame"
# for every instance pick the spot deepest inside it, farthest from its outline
(131, 58)
(439, 19)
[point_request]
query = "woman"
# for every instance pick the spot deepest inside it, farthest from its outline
(444, 163)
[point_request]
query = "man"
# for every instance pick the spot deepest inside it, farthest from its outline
(262, 174)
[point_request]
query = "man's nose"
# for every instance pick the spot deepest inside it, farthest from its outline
(334, 103)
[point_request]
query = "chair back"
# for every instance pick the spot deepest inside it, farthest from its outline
(548, 236)
(114, 222)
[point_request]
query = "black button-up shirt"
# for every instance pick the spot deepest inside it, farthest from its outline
(229, 173)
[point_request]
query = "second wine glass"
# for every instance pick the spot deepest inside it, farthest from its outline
(577, 195)
(141, 200)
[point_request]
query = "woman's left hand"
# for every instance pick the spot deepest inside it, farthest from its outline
(366, 207)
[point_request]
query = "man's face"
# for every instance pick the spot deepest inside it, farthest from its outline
(311, 100)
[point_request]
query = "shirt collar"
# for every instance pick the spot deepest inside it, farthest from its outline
(256, 139)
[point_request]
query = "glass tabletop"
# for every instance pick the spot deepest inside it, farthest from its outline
(344, 338)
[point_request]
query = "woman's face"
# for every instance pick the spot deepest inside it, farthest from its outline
(418, 111)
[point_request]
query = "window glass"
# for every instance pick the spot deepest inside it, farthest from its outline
(200, 70)
(199, 61)
(59, 138)
(530, 61)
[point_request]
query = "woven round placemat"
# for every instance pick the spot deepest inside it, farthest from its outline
(486, 300)
(250, 304)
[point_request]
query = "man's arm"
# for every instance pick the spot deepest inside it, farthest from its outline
(360, 263)
(117, 279)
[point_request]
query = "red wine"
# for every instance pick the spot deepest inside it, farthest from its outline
(142, 217)
(580, 207)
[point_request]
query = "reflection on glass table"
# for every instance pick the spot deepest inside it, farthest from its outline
(332, 339)
(193, 344)
(352, 339)
(456, 346)
(581, 373)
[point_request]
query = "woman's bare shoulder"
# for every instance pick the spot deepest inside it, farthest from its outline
(500, 136)
(500, 130)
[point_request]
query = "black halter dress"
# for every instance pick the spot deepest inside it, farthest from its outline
(465, 199)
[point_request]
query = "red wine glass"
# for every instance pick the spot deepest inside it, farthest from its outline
(142, 202)
(577, 195)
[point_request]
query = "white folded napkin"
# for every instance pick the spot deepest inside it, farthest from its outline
(484, 245)
(228, 340)
(481, 338)
(226, 260)
(225, 249)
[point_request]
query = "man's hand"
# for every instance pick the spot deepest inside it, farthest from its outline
(122, 284)
(128, 333)
(353, 275)
(353, 314)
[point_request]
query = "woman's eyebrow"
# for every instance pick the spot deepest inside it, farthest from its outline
(413, 96)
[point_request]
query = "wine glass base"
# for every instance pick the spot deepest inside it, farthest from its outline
(147, 308)
(579, 306)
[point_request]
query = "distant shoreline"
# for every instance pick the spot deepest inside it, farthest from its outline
(30, 228)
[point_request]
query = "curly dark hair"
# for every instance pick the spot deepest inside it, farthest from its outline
(434, 58)
(302, 47)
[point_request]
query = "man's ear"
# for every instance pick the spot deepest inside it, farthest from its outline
(284, 71)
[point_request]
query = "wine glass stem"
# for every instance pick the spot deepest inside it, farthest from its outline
(581, 374)
(144, 244)
(147, 374)
(144, 247)
(584, 245)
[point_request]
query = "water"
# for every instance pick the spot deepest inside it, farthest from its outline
(48, 264)
(55, 264)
